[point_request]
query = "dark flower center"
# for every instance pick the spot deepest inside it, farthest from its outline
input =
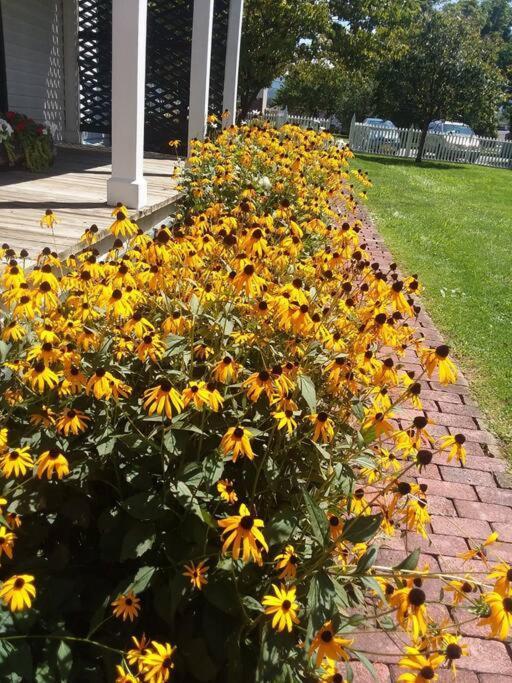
(416, 597)
(427, 673)
(19, 583)
(238, 433)
(247, 522)
(453, 651)
(326, 636)
(286, 605)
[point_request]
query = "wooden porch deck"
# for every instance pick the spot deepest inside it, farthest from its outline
(75, 189)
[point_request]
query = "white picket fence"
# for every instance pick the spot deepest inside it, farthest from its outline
(279, 118)
(403, 142)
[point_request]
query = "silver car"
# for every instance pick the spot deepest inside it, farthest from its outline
(385, 139)
(457, 138)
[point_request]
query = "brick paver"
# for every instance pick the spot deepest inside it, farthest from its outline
(466, 504)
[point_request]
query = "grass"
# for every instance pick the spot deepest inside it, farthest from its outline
(452, 225)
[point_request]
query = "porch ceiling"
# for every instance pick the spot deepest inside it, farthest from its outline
(75, 188)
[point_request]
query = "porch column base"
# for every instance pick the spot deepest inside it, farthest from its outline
(132, 193)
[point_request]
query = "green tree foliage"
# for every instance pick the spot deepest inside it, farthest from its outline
(275, 34)
(446, 72)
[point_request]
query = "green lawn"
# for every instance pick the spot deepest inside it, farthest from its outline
(452, 224)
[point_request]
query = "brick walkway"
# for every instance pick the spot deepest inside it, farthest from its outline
(465, 503)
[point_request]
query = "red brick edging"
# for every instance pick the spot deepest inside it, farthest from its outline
(465, 503)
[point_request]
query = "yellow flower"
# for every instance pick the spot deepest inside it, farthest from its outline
(324, 427)
(73, 421)
(196, 393)
(162, 399)
(502, 573)
(227, 491)
(242, 531)
(126, 606)
(455, 444)
(40, 377)
(18, 592)
(123, 676)
(197, 574)
(438, 358)
(226, 371)
(423, 666)
(50, 462)
(479, 550)
(411, 610)
(156, 662)
(123, 226)
(326, 644)
(285, 420)
(453, 650)
(7, 539)
(49, 219)
(236, 441)
(283, 607)
(16, 462)
(500, 614)
(287, 562)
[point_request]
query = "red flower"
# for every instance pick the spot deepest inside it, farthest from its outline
(10, 115)
(40, 130)
(20, 126)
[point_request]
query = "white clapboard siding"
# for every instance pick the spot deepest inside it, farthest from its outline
(34, 64)
(404, 142)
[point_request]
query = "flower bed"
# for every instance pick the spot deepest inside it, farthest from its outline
(201, 448)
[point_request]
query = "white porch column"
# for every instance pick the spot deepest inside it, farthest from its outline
(200, 69)
(127, 184)
(236, 11)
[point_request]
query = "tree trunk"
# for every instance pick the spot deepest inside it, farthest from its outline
(421, 144)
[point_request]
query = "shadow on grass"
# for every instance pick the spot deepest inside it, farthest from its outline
(400, 161)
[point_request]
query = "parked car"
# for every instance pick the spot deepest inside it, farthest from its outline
(385, 139)
(458, 138)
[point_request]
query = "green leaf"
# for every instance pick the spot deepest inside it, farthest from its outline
(317, 519)
(64, 661)
(321, 602)
(361, 529)
(410, 562)
(307, 389)
(198, 659)
(366, 560)
(366, 663)
(142, 579)
(252, 603)
(281, 526)
(144, 506)
(138, 540)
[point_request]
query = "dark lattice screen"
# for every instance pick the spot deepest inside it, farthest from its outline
(219, 38)
(95, 64)
(169, 44)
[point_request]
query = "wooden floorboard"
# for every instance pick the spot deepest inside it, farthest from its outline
(75, 189)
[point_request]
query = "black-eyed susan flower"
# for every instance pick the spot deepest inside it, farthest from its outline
(242, 534)
(196, 393)
(411, 609)
(197, 574)
(438, 358)
(48, 219)
(328, 644)
(40, 377)
(259, 383)
(100, 384)
(454, 444)
(72, 421)
(18, 592)
(156, 662)
(286, 563)
(226, 371)
(126, 606)
(479, 550)
(123, 226)
(16, 463)
(499, 618)
(324, 427)
(236, 441)
(52, 462)
(285, 420)
(422, 666)
(124, 676)
(283, 607)
(227, 491)
(461, 589)
(501, 574)
(7, 539)
(453, 650)
(162, 399)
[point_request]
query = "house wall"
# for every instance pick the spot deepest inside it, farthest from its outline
(34, 60)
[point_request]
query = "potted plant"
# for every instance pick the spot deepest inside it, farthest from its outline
(29, 143)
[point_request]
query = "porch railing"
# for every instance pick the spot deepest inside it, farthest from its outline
(279, 118)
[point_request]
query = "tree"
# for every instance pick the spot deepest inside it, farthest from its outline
(275, 34)
(447, 71)
(326, 88)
